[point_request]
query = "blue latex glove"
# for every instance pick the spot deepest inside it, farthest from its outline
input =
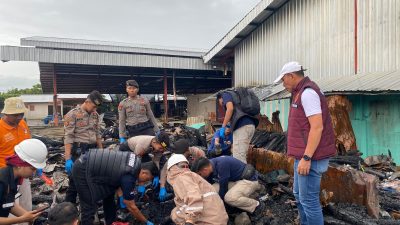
(68, 166)
(149, 223)
(163, 194)
(39, 172)
(141, 189)
(156, 182)
(222, 132)
(122, 140)
(121, 202)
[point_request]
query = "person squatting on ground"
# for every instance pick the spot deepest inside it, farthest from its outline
(135, 114)
(243, 122)
(149, 148)
(81, 133)
(99, 173)
(13, 130)
(64, 213)
(311, 140)
(29, 155)
(237, 182)
(221, 144)
(181, 146)
(195, 199)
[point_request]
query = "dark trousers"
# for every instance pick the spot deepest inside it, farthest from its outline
(147, 131)
(71, 194)
(88, 205)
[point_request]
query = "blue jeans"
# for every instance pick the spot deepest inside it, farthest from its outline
(306, 191)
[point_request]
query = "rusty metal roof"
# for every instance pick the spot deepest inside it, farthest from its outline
(369, 83)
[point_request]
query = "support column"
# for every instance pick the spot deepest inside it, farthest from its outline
(55, 116)
(174, 88)
(165, 97)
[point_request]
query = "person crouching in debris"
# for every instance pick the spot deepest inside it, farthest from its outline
(195, 199)
(64, 213)
(135, 114)
(81, 133)
(29, 155)
(221, 145)
(143, 146)
(99, 173)
(242, 179)
(181, 146)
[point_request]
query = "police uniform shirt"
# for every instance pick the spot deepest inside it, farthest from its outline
(80, 126)
(133, 111)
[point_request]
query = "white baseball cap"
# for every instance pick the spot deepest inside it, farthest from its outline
(289, 67)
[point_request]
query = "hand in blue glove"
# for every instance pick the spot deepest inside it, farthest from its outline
(141, 189)
(68, 166)
(222, 132)
(149, 223)
(121, 202)
(39, 172)
(163, 194)
(156, 182)
(122, 140)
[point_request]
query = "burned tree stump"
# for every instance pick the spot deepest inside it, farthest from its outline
(264, 123)
(339, 107)
(277, 126)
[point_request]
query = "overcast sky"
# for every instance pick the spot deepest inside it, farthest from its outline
(178, 23)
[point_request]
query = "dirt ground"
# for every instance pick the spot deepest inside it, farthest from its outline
(51, 132)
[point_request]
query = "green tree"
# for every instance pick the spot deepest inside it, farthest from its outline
(15, 92)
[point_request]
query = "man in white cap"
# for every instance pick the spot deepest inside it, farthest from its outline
(311, 140)
(13, 130)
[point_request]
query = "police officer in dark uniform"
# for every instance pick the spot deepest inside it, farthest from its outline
(99, 173)
(30, 150)
(82, 132)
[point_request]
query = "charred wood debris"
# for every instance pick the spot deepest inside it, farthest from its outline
(280, 203)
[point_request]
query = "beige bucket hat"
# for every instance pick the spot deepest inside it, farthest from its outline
(14, 105)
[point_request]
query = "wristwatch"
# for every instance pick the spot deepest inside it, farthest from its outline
(306, 157)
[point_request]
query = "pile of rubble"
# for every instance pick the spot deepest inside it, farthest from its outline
(275, 175)
(269, 140)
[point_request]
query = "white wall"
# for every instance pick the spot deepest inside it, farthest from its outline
(40, 111)
(197, 108)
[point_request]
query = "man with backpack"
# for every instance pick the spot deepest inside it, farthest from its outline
(241, 108)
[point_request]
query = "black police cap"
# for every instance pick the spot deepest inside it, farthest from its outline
(132, 83)
(96, 98)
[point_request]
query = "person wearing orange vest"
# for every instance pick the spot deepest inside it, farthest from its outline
(13, 130)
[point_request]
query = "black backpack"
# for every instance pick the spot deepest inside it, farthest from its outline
(248, 101)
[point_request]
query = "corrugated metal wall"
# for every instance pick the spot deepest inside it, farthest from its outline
(267, 108)
(375, 121)
(320, 35)
(376, 124)
(379, 35)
